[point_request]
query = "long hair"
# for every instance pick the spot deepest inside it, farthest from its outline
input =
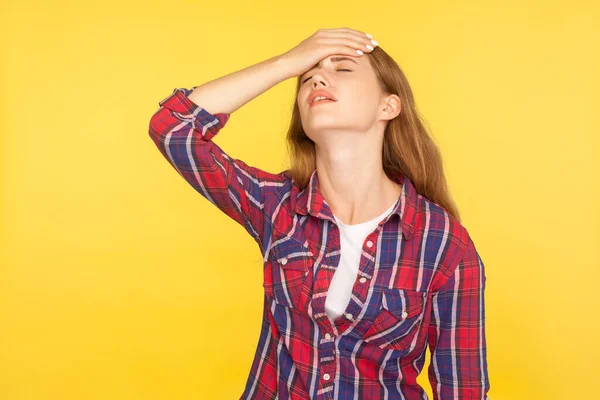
(408, 147)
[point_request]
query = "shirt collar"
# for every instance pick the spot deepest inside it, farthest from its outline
(310, 200)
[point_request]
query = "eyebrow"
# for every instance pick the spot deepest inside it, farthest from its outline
(333, 59)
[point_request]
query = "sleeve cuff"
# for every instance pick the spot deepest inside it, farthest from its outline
(206, 122)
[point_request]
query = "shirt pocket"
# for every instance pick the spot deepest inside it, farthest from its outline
(398, 320)
(288, 266)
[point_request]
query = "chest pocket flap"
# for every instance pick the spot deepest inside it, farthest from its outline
(286, 269)
(291, 254)
(398, 320)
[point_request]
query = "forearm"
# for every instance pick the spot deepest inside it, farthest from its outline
(229, 92)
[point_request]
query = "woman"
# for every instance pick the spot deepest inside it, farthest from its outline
(365, 260)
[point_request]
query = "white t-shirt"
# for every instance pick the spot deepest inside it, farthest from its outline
(352, 238)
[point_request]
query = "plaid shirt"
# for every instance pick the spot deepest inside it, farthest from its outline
(420, 281)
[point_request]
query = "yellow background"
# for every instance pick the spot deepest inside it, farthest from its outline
(119, 281)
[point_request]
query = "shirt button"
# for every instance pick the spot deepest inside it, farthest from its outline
(327, 336)
(369, 244)
(404, 314)
(363, 280)
(349, 316)
(326, 377)
(284, 261)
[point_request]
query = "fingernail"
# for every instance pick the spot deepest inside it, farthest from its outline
(360, 53)
(374, 42)
(369, 36)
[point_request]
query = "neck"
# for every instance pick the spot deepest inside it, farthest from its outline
(356, 192)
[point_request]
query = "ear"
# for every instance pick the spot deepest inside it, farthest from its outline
(392, 108)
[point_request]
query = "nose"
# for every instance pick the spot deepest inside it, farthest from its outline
(317, 81)
(317, 78)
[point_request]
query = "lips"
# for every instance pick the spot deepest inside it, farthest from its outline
(322, 93)
(323, 101)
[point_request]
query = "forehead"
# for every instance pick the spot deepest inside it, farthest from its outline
(335, 58)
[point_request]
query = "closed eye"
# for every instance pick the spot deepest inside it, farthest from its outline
(304, 81)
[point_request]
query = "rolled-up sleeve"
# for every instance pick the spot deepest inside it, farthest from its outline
(456, 337)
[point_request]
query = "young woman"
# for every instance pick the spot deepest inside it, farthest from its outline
(365, 260)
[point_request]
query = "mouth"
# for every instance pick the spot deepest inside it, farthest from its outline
(320, 96)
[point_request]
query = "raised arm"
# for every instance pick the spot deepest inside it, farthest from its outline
(457, 340)
(183, 128)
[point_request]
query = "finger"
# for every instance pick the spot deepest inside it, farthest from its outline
(348, 43)
(362, 39)
(358, 33)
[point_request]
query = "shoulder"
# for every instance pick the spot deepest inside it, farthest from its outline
(442, 231)
(433, 217)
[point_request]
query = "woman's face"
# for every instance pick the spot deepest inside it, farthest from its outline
(352, 81)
